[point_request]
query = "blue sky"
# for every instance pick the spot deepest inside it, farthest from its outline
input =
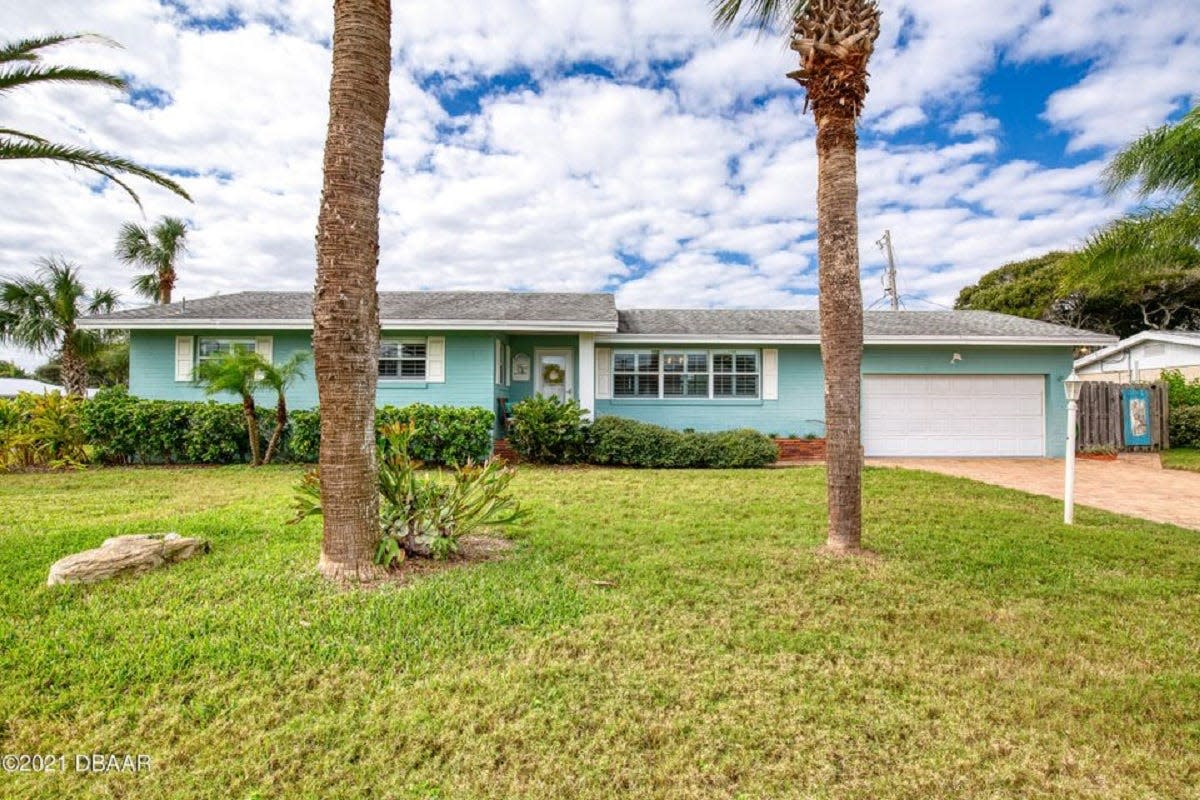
(617, 145)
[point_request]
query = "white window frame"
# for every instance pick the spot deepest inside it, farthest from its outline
(711, 372)
(249, 342)
(399, 359)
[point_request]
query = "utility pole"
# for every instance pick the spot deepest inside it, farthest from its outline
(889, 277)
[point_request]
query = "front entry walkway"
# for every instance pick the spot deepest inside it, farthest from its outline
(1134, 484)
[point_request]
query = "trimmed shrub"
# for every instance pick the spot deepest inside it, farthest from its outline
(1183, 426)
(631, 443)
(1181, 391)
(443, 434)
(546, 430)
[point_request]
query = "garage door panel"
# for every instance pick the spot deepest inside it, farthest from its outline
(954, 415)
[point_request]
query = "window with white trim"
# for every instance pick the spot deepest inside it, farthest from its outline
(683, 374)
(210, 348)
(402, 359)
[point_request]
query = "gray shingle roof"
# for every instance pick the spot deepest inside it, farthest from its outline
(595, 311)
(508, 306)
(876, 324)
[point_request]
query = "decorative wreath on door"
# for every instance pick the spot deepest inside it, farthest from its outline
(553, 375)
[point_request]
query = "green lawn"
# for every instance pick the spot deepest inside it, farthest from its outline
(988, 652)
(1187, 458)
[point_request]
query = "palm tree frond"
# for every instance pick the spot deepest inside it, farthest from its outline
(763, 15)
(27, 49)
(145, 285)
(85, 158)
(21, 135)
(103, 301)
(24, 75)
(1164, 159)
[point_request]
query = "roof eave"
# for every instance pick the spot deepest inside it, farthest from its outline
(1025, 341)
(201, 323)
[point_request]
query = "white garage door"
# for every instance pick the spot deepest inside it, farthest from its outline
(954, 415)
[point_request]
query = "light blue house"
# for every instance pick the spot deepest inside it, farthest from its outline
(938, 383)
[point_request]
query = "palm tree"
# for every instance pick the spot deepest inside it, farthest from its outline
(834, 39)
(236, 372)
(280, 377)
(346, 304)
(40, 314)
(157, 249)
(1161, 241)
(21, 65)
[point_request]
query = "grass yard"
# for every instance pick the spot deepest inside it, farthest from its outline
(653, 634)
(1187, 458)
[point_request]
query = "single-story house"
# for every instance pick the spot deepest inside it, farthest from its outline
(11, 387)
(1143, 357)
(945, 383)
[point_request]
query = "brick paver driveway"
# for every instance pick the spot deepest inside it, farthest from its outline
(1134, 484)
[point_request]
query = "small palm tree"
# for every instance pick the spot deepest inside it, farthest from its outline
(21, 65)
(157, 249)
(280, 377)
(236, 372)
(40, 313)
(834, 39)
(1161, 241)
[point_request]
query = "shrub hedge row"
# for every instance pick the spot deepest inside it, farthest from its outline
(549, 431)
(126, 429)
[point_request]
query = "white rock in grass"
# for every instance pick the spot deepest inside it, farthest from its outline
(124, 555)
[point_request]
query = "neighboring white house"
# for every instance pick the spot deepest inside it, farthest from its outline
(1143, 357)
(11, 387)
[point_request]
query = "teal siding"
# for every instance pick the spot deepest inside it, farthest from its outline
(469, 369)
(800, 407)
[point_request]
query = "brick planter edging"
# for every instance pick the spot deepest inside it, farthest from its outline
(792, 451)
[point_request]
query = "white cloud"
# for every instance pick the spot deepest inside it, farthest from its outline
(689, 179)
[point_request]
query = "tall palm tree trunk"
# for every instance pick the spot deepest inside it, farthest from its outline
(74, 370)
(841, 314)
(346, 304)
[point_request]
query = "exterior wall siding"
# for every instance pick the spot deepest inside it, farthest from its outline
(469, 370)
(471, 367)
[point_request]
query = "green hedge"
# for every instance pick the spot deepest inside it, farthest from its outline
(627, 442)
(124, 429)
(444, 434)
(1183, 426)
(1180, 391)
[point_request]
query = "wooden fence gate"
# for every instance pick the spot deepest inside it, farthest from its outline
(1100, 417)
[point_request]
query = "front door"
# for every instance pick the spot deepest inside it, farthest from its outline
(554, 373)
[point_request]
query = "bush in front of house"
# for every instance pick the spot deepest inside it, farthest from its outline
(546, 430)
(1180, 391)
(624, 442)
(41, 431)
(123, 429)
(442, 434)
(1183, 426)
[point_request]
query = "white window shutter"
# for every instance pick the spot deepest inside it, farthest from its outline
(604, 381)
(435, 359)
(183, 357)
(507, 365)
(770, 376)
(499, 359)
(264, 346)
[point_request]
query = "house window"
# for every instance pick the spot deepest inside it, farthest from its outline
(735, 374)
(635, 374)
(210, 348)
(685, 374)
(402, 359)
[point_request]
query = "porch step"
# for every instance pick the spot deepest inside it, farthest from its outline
(504, 450)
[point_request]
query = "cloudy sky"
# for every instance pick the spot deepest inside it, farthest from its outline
(609, 145)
